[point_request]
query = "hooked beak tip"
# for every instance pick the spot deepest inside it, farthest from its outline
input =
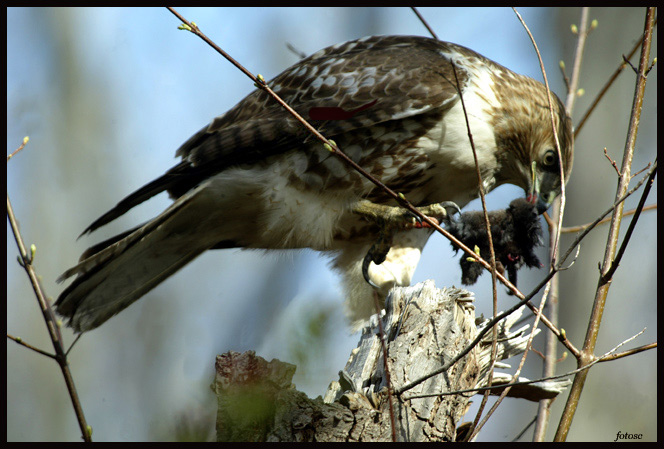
(542, 206)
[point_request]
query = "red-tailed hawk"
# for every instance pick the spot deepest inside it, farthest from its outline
(256, 178)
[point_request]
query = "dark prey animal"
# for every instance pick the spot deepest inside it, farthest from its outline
(516, 231)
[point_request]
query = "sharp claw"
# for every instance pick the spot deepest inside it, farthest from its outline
(418, 220)
(438, 213)
(376, 254)
(453, 209)
(365, 268)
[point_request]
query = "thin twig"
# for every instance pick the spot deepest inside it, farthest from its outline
(606, 86)
(49, 318)
(579, 228)
(578, 59)
(629, 352)
(525, 429)
(554, 129)
(630, 229)
(556, 239)
(587, 228)
(388, 380)
(487, 223)
(613, 163)
(298, 53)
(20, 341)
(424, 22)
(20, 147)
(475, 428)
(607, 357)
(550, 356)
(515, 377)
(612, 240)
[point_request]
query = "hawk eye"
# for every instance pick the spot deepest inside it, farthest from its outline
(550, 158)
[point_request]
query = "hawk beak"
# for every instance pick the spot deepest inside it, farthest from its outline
(542, 204)
(541, 199)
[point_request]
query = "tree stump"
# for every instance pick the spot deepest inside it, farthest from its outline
(423, 328)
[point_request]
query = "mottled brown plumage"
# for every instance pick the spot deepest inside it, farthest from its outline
(255, 178)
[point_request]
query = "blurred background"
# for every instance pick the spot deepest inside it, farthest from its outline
(108, 95)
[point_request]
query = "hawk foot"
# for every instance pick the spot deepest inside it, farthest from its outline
(376, 254)
(397, 218)
(392, 219)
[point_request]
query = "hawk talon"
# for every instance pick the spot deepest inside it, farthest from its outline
(392, 219)
(450, 205)
(438, 213)
(376, 254)
(365, 269)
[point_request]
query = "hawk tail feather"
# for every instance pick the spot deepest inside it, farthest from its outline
(177, 181)
(115, 273)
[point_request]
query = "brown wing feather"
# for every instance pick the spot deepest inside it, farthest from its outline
(371, 80)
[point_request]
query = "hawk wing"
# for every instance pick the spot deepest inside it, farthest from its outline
(339, 89)
(256, 178)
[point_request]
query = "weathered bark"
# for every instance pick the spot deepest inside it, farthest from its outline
(424, 327)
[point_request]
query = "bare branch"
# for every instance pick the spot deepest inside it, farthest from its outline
(25, 141)
(543, 413)
(606, 86)
(383, 342)
(424, 22)
(608, 356)
(630, 229)
(604, 283)
(20, 341)
(49, 317)
(570, 229)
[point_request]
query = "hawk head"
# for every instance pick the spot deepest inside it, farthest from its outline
(525, 139)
